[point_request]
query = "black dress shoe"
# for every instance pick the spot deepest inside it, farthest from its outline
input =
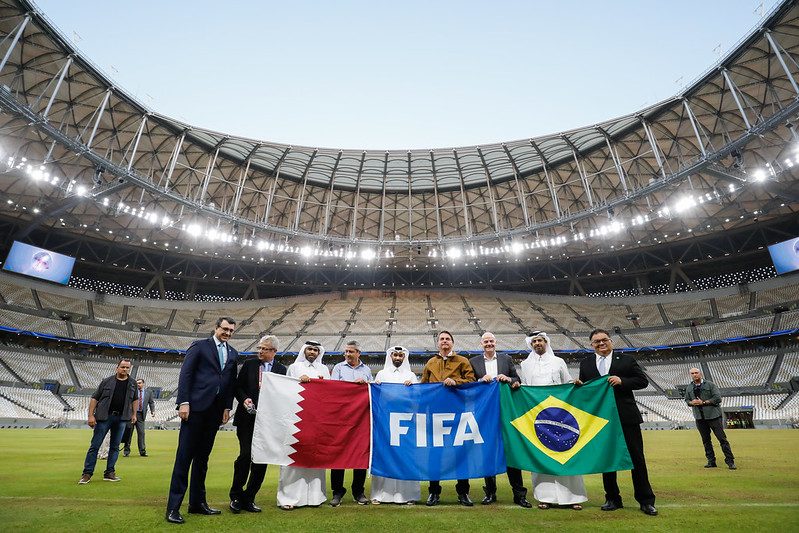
(252, 508)
(649, 509)
(432, 500)
(464, 500)
(610, 505)
(521, 501)
(235, 506)
(173, 517)
(710, 464)
(732, 466)
(489, 499)
(203, 509)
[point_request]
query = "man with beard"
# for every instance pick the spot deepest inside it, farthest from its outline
(396, 369)
(543, 367)
(300, 487)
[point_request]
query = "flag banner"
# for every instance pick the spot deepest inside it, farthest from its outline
(432, 432)
(563, 430)
(321, 424)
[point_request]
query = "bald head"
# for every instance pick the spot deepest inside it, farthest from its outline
(696, 375)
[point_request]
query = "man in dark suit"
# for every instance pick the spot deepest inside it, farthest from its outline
(248, 386)
(487, 367)
(624, 375)
(145, 397)
(205, 397)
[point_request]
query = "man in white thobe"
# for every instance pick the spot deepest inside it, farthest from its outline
(298, 487)
(543, 367)
(397, 369)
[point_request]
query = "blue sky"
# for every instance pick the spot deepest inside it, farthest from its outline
(411, 74)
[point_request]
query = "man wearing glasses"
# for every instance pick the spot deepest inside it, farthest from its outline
(624, 375)
(248, 386)
(205, 397)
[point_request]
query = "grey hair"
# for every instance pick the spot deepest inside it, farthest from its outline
(354, 344)
(270, 339)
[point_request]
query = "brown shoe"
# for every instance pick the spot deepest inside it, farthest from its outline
(85, 478)
(111, 476)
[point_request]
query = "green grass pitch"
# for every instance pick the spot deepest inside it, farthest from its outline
(39, 470)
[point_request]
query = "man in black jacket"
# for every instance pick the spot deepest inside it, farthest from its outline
(624, 375)
(113, 404)
(248, 386)
(489, 366)
(705, 400)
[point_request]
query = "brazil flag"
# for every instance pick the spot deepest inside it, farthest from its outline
(563, 430)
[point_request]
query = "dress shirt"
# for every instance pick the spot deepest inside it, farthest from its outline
(344, 372)
(491, 366)
(608, 358)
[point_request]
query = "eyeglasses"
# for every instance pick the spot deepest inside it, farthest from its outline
(597, 342)
(261, 348)
(227, 330)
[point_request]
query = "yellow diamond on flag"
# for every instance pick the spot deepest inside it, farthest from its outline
(558, 429)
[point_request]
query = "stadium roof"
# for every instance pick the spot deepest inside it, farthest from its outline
(81, 156)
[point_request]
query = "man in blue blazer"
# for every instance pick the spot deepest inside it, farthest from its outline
(205, 398)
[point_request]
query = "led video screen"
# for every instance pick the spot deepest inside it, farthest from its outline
(39, 263)
(785, 255)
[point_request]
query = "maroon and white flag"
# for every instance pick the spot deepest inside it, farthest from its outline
(321, 424)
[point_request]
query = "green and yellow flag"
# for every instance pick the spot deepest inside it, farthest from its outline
(563, 430)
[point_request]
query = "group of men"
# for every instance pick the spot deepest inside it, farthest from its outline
(209, 381)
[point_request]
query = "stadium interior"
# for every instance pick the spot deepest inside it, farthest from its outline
(655, 226)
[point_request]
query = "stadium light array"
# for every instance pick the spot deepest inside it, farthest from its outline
(222, 233)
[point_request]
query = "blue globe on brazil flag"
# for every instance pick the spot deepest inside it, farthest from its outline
(557, 429)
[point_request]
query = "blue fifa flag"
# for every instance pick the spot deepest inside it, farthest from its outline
(432, 432)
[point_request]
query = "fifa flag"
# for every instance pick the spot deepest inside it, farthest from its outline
(429, 431)
(321, 424)
(563, 430)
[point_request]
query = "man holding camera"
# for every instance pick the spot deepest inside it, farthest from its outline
(705, 400)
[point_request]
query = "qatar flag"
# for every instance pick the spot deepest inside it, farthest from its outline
(321, 424)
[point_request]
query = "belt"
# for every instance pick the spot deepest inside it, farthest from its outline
(115, 413)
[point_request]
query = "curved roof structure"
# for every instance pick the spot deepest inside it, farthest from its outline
(83, 157)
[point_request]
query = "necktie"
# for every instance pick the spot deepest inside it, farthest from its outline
(141, 400)
(221, 348)
(603, 369)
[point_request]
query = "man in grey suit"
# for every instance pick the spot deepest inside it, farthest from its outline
(705, 399)
(488, 367)
(145, 397)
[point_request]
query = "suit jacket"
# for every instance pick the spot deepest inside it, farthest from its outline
(632, 378)
(149, 401)
(247, 387)
(504, 366)
(709, 392)
(202, 379)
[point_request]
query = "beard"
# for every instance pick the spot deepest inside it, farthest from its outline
(397, 363)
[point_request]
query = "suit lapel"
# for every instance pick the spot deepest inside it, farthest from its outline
(615, 362)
